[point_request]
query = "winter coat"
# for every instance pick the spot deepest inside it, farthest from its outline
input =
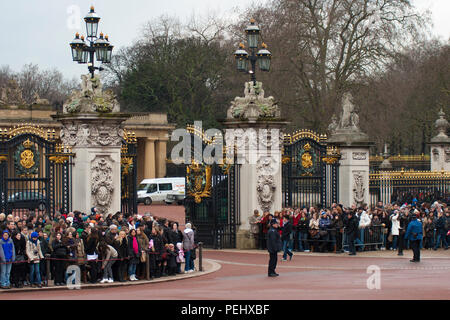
(333, 226)
(351, 225)
(158, 246)
(188, 241)
(21, 248)
(265, 224)
(414, 231)
(7, 250)
(324, 223)
(34, 251)
(143, 241)
(59, 249)
(440, 225)
(109, 237)
(314, 224)
(254, 224)
(121, 248)
(91, 246)
(111, 253)
(172, 259)
(428, 227)
(364, 220)
(286, 231)
(80, 254)
(133, 256)
(45, 247)
(303, 225)
(175, 236)
(165, 234)
(274, 244)
(72, 248)
(395, 224)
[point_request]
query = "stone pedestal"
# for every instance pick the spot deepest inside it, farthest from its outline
(353, 175)
(255, 129)
(96, 141)
(440, 146)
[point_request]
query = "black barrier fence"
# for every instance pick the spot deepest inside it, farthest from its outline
(331, 239)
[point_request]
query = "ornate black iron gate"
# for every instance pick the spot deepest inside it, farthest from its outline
(310, 170)
(129, 174)
(35, 171)
(212, 199)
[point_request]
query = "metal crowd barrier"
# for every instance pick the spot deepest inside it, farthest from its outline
(373, 236)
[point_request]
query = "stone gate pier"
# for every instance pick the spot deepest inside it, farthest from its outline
(354, 146)
(92, 125)
(254, 135)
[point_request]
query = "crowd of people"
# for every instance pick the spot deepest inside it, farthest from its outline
(106, 249)
(338, 229)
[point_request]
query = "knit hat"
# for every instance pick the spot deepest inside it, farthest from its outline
(48, 228)
(5, 231)
(34, 235)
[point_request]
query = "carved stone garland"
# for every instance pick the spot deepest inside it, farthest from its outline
(267, 166)
(85, 135)
(358, 189)
(102, 183)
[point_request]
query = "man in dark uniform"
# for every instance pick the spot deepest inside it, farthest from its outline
(351, 229)
(414, 235)
(273, 246)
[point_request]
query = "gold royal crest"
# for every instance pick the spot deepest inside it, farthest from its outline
(27, 155)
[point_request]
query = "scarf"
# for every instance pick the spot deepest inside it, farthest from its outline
(187, 230)
(135, 246)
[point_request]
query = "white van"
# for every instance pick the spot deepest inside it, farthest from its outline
(151, 190)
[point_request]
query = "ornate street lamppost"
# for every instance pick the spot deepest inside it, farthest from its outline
(263, 56)
(100, 47)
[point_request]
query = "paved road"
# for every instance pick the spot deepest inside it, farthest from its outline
(171, 212)
(244, 276)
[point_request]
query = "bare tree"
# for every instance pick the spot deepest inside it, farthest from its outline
(321, 47)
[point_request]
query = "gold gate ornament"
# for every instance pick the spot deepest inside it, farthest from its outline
(198, 181)
(26, 159)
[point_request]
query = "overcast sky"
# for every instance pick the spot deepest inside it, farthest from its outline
(39, 31)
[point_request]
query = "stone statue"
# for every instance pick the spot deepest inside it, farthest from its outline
(91, 98)
(333, 125)
(253, 105)
(39, 101)
(11, 94)
(349, 117)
